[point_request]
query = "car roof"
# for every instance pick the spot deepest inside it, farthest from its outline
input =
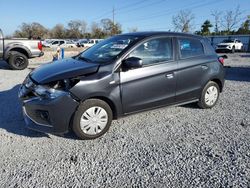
(160, 33)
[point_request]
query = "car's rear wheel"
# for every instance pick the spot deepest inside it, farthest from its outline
(92, 119)
(210, 95)
(18, 61)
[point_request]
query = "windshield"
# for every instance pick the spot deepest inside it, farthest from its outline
(227, 41)
(109, 49)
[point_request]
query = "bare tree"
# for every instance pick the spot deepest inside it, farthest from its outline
(231, 19)
(96, 31)
(216, 14)
(183, 21)
(58, 32)
(34, 30)
(110, 28)
(83, 27)
(74, 29)
(133, 29)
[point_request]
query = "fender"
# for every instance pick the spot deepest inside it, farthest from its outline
(16, 47)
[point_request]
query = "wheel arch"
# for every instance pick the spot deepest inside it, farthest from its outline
(218, 81)
(109, 102)
(17, 49)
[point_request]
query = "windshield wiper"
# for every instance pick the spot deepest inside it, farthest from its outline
(85, 59)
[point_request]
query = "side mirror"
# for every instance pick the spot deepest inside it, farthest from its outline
(132, 63)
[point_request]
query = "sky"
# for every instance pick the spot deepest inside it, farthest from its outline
(145, 15)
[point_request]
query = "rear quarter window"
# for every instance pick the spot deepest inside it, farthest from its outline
(209, 50)
(189, 47)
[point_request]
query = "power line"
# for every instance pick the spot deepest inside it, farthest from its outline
(157, 14)
(151, 4)
(168, 13)
(132, 4)
(108, 13)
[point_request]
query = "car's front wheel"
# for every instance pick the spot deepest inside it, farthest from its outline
(92, 119)
(210, 95)
(233, 50)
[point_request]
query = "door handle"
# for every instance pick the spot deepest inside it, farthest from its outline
(204, 67)
(169, 76)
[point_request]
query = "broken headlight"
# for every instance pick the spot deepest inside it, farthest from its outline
(54, 89)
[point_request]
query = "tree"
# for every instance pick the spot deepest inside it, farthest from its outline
(58, 32)
(96, 31)
(133, 29)
(216, 14)
(34, 30)
(231, 19)
(74, 29)
(183, 21)
(83, 28)
(110, 28)
(205, 28)
(245, 27)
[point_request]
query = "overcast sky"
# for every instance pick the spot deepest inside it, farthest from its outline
(142, 14)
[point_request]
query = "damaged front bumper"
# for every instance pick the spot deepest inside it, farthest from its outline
(50, 115)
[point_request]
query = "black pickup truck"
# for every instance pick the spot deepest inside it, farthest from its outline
(17, 51)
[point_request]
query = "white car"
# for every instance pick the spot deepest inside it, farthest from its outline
(229, 45)
(88, 42)
(62, 44)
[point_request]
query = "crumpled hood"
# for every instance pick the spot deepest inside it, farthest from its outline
(62, 69)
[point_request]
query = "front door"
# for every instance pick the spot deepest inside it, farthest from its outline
(154, 83)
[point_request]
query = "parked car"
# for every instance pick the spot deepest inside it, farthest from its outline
(56, 43)
(17, 51)
(88, 42)
(47, 42)
(62, 43)
(121, 75)
(80, 43)
(69, 44)
(229, 45)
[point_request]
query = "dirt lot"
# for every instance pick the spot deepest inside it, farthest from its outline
(169, 147)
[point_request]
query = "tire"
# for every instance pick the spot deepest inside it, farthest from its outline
(233, 50)
(241, 49)
(210, 95)
(18, 61)
(92, 119)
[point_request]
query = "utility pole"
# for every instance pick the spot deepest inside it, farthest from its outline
(113, 26)
(113, 15)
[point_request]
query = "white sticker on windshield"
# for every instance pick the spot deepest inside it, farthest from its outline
(119, 46)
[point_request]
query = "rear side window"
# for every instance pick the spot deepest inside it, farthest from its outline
(190, 47)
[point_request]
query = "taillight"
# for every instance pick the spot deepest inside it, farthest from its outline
(221, 60)
(40, 46)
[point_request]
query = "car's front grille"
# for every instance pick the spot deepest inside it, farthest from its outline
(222, 46)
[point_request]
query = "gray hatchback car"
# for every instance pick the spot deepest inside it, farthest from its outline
(121, 75)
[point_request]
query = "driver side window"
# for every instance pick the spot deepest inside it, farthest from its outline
(154, 51)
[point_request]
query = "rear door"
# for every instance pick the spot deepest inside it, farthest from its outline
(153, 84)
(192, 67)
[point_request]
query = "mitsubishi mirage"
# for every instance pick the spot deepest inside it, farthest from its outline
(121, 75)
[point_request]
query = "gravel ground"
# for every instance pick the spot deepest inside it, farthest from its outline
(169, 147)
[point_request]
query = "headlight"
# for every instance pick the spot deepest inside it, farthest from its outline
(28, 82)
(42, 91)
